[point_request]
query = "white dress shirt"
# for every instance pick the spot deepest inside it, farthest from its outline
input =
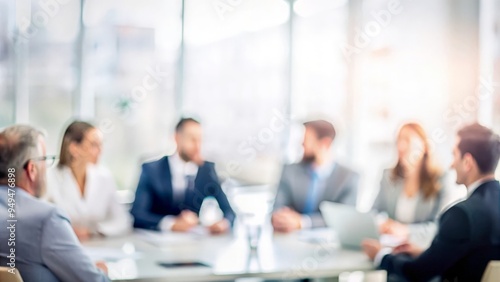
(406, 207)
(98, 209)
(179, 171)
(476, 185)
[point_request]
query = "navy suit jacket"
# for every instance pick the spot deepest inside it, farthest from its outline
(468, 238)
(154, 194)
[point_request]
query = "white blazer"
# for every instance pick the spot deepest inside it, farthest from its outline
(98, 210)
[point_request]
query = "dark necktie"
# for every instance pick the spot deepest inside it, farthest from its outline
(189, 192)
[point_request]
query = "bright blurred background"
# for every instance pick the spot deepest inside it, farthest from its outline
(244, 66)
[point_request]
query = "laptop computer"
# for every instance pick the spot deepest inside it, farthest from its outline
(352, 226)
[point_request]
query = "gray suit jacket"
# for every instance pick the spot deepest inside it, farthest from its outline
(46, 248)
(341, 187)
(424, 227)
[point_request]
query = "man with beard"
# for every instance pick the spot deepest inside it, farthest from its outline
(303, 186)
(171, 190)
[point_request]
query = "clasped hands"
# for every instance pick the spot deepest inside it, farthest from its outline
(188, 219)
(401, 231)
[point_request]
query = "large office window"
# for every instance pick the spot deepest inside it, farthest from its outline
(40, 69)
(129, 67)
(110, 68)
(319, 68)
(51, 69)
(6, 71)
(402, 76)
(236, 83)
(494, 86)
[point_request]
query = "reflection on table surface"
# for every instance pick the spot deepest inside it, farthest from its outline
(305, 254)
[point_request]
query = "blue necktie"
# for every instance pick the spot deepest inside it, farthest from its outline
(312, 193)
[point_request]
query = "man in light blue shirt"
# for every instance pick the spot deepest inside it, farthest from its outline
(36, 238)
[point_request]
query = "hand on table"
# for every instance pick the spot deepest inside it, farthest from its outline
(219, 227)
(371, 247)
(408, 248)
(286, 220)
(83, 233)
(185, 221)
(395, 228)
(102, 266)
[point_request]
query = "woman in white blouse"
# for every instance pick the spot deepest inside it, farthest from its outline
(414, 192)
(84, 190)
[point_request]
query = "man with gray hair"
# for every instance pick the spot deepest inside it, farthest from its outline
(39, 240)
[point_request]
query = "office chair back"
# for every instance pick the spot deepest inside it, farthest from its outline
(492, 272)
(6, 276)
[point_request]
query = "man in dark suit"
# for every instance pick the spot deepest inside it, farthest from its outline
(469, 232)
(171, 190)
(303, 186)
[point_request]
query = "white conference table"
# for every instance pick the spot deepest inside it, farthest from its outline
(293, 256)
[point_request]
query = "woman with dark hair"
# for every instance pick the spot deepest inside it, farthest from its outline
(413, 192)
(84, 190)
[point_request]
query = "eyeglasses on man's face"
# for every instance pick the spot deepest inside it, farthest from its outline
(49, 160)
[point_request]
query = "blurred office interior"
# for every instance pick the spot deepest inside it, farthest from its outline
(251, 71)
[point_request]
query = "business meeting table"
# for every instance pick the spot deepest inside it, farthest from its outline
(154, 256)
